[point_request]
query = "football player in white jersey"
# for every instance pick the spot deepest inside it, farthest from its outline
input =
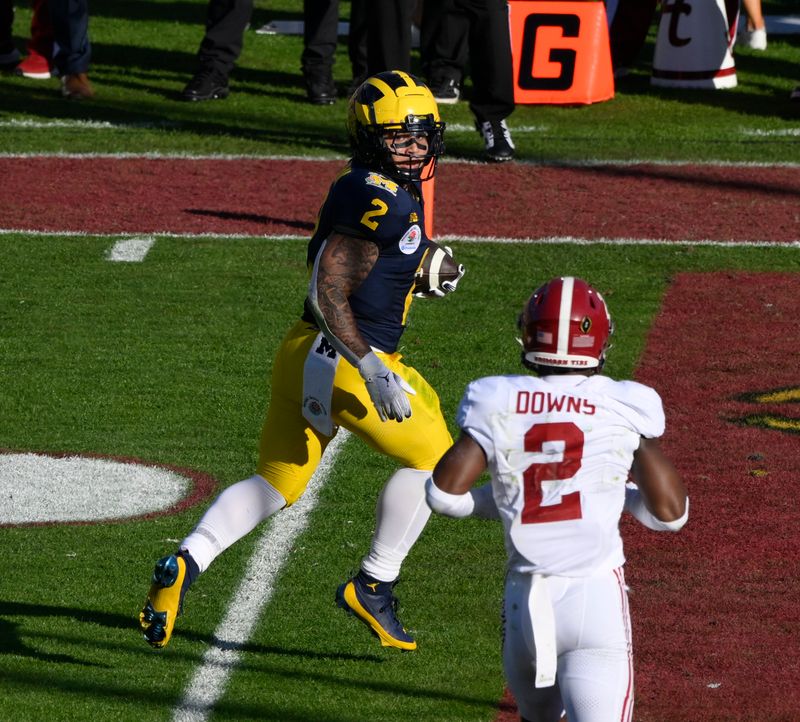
(561, 446)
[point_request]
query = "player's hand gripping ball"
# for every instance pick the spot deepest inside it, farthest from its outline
(438, 274)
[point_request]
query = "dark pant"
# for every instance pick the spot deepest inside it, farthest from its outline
(484, 24)
(444, 46)
(6, 22)
(71, 33)
(628, 30)
(321, 24)
(225, 26)
(389, 44)
(41, 30)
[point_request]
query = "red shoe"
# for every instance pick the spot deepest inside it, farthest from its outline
(36, 66)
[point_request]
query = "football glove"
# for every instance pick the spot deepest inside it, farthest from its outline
(450, 286)
(386, 389)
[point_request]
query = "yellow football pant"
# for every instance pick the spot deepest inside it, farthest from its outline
(291, 449)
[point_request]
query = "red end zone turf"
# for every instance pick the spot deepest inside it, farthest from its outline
(714, 607)
(282, 196)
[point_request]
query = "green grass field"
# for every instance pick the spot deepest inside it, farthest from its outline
(167, 361)
(144, 52)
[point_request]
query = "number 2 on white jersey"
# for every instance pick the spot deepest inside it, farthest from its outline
(570, 505)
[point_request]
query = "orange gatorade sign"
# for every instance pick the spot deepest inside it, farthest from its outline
(560, 52)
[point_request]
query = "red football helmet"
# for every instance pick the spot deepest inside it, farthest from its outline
(565, 324)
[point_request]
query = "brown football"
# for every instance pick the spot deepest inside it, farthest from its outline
(437, 268)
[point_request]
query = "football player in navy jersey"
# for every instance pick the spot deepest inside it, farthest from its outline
(338, 366)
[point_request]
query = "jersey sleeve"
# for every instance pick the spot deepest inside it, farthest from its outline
(365, 205)
(645, 410)
(474, 413)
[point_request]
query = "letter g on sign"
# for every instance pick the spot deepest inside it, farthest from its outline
(543, 65)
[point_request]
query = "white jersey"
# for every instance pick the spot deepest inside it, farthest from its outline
(559, 450)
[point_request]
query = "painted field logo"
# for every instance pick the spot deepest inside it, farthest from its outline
(770, 419)
(42, 489)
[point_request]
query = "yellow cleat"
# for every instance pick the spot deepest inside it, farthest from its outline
(164, 600)
(375, 604)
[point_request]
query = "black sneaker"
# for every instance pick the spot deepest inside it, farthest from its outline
(497, 137)
(445, 91)
(374, 603)
(9, 56)
(207, 84)
(320, 89)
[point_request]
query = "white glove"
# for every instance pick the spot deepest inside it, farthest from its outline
(444, 287)
(450, 286)
(386, 389)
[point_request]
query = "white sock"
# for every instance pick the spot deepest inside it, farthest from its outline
(234, 513)
(401, 516)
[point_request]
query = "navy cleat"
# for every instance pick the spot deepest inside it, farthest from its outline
(373, 602)
(171, 578)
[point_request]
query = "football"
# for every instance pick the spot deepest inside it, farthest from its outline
(438, 273)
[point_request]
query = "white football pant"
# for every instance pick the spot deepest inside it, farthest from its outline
(594, 669)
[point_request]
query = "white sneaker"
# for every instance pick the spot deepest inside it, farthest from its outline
(753, 39)
(497, 138)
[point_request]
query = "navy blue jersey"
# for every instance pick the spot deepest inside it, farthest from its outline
(366, 204)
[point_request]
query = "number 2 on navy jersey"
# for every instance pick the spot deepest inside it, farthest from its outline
(570, 505)
(380, 210)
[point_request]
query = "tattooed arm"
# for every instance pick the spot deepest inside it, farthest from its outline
(340, 268)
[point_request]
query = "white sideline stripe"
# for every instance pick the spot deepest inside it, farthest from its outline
(573, 241)
(765, 133)
(187, 155)
(587, 163)
(130, 250)
(208, 683)
(545, 240)
(25, 123)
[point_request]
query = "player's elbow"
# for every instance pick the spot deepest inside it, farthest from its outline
(673, 514)
(442, 502)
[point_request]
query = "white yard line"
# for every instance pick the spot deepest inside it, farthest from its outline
(208, 683)
(573, 241)
(586, 163)
(130, 250)
(546, 240)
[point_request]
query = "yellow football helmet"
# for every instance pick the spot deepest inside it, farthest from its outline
(393, 103)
